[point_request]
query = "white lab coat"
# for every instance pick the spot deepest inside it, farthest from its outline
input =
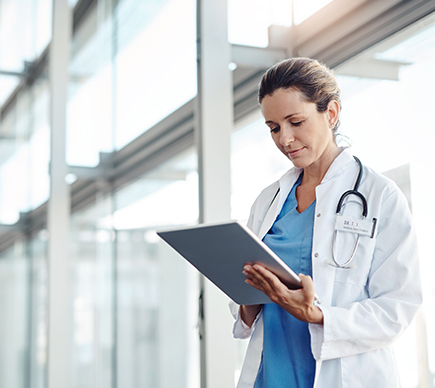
(366, 308)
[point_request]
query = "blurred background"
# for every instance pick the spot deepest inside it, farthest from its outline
(111, 117)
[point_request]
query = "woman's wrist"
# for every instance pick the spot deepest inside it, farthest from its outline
(248, 313)
(317, 317)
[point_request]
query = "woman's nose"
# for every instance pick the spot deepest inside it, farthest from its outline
(286, 136)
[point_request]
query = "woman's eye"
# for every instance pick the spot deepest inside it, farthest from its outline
(297, 124)
(274, 130)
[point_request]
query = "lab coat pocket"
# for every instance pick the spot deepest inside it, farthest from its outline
(357, 271)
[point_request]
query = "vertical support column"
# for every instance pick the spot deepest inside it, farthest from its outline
(59, 330)
(214, 126)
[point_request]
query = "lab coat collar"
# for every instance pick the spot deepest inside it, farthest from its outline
(288, 180)
(284, 186)
(339, 164)
(286, 183)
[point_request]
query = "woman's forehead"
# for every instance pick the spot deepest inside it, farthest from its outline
(283, 103)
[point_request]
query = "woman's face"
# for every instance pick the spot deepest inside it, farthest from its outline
(299, 131)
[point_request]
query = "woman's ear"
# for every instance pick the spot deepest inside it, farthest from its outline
(333, 112)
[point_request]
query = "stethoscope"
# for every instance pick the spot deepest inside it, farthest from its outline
(340, 206)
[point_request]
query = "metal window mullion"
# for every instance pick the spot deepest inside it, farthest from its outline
(214, 122)
(58, 211)
(114, 256)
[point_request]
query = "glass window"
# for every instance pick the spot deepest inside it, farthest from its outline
(38, 299)
(89, 110)
(129, 285)
(91, 255)
(155, 64)
(29, 23)
(123, 75)
(7, 86)
(23, 307)
(25, 31)
(157, 293)
(304, 9)
(248, 21)
(15, 311)
(26, 153)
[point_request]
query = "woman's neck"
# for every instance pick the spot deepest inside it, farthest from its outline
(314, 174)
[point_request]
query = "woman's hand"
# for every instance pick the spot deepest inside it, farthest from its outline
(299, 303)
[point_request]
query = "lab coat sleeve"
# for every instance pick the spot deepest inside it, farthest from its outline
(393, 286)
(241, 330)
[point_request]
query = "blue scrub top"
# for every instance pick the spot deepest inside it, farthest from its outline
(287, 360)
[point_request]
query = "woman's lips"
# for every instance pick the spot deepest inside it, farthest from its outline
(295, 152)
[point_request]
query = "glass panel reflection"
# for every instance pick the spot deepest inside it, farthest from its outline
(304, 9)
(38, 299)
(156, 63)
(134, 299)
(29, 23)
(157, 289)
(91, 254)
(123, 76)
(14, 305)
(24, 161)
(23, 308)
(89, 110)
(248, 21)
(7, 86)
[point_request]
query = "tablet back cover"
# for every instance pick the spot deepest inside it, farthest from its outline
(220, 251)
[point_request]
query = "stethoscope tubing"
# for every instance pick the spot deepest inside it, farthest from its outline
(340, 204)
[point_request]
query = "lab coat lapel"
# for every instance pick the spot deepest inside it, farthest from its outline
(275, 204)
(269, 218)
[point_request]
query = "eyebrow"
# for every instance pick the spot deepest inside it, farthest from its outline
(285, 118)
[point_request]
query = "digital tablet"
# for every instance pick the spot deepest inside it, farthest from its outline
(219, 252)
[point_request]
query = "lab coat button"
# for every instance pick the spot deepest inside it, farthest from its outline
(316, 255)
(318, 214)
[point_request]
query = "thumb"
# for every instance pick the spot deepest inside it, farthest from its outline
(307, 284)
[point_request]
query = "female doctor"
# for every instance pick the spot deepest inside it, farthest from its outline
(359, 257)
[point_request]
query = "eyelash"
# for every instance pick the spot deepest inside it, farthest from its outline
(276, 129)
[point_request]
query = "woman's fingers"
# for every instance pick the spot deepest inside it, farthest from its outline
(255, 278)
(263, 279)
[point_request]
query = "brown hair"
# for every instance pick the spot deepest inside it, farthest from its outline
(313, 79)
